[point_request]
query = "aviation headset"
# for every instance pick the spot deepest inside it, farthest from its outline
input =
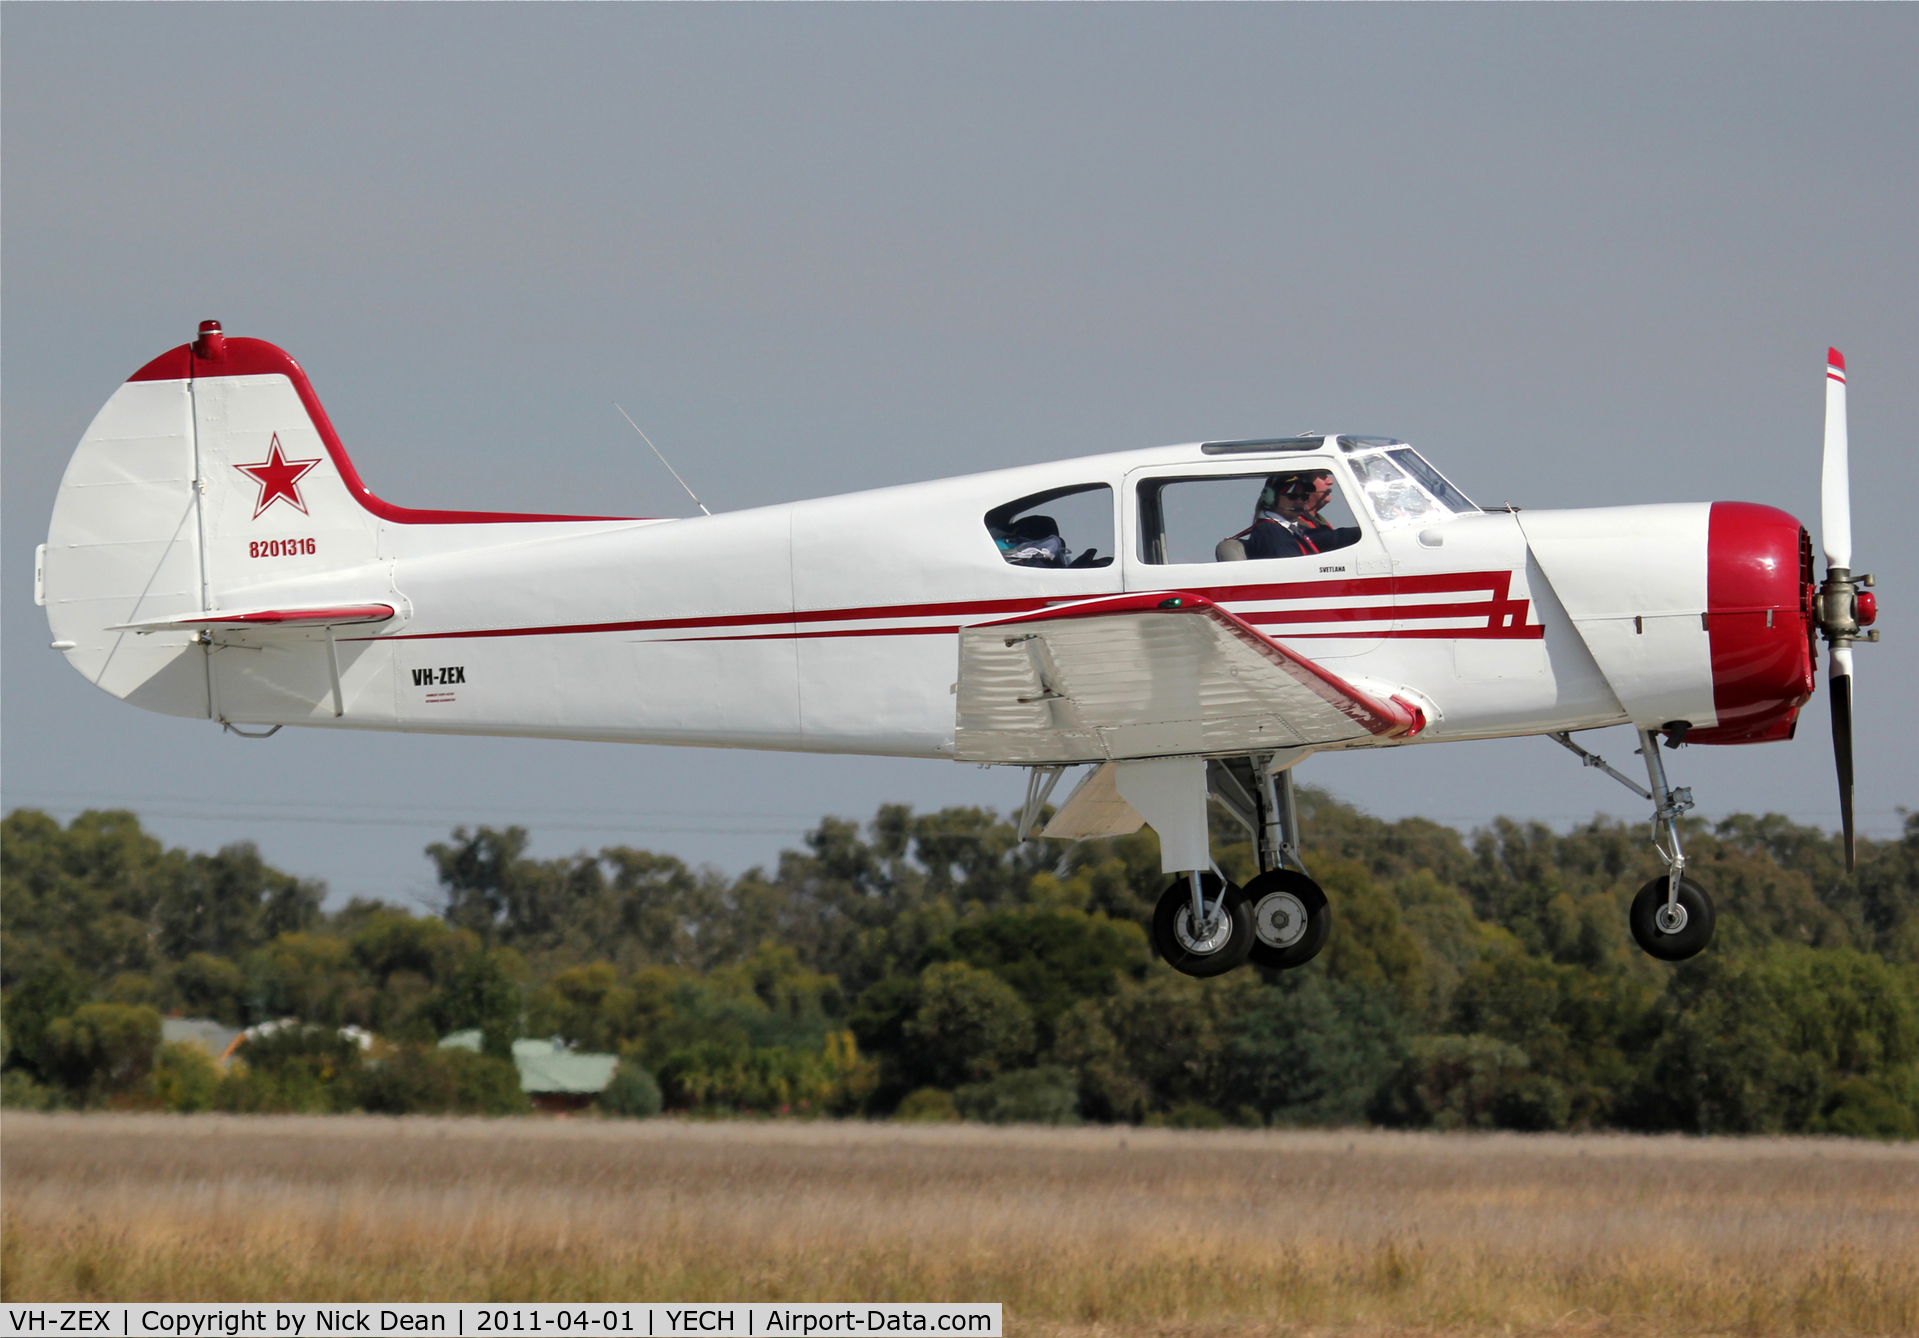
(1301, 483)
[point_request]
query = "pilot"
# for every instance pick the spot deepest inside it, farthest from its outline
(1034, 541)
(1286, 521)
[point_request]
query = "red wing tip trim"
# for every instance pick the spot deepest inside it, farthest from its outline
(1418, 715)
(214, 355)
(1835, 359)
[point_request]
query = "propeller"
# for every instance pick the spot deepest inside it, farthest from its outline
(1845, 605)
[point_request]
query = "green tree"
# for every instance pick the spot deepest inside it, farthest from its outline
(1450, 1082)
(1053, 956)
(310, 977)
(970, 1024)
(494, 889)
(1757, 1043)
(1087, 1048)
(1311, 1049)
(47, 990)
(484, 993)
(1045, 1095)
(633, 1093)
(210, 986)
(184, 1078)
(228, 902)
(104, 1049)
(1371, 949)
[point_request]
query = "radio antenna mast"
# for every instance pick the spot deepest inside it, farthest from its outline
(669, 468)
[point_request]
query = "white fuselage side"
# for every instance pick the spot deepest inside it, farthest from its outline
(828, 625)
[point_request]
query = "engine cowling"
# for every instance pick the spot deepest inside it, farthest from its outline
(1760, 620)
(1700, 616)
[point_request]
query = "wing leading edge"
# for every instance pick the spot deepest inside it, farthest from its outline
(1150, 675)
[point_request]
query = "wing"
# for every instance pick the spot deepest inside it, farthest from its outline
(1148, 676)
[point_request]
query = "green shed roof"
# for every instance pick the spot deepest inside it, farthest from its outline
(547, 1065)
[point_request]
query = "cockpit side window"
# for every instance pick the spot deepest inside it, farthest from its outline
(1061, 527)
(1295, 512)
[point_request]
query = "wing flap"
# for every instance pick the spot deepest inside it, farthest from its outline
(1149, 676)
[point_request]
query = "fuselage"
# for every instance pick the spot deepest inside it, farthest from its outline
(832, 624)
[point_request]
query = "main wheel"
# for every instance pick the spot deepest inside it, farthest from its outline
(1210, 949)
(1291, 920)
(1682, 932)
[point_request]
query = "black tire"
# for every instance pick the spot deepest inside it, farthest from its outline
(1172, 928)
(1686, 940)
(1291, 920)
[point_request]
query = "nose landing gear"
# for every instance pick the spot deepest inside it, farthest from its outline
(1671, 917)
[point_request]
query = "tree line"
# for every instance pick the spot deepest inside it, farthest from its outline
(932, 966)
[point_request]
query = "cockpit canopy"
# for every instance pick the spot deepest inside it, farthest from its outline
(1273, 507)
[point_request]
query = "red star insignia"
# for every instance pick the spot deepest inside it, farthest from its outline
(278, 477)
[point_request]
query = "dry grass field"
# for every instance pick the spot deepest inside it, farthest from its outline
(1082, 1232)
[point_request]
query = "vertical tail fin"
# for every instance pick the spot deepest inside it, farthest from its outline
(212, 476)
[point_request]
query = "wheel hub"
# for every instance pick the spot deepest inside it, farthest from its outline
(1670, 919)
(1279, 919)
(1215, 932)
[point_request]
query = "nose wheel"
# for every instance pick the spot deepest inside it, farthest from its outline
(1672, 923)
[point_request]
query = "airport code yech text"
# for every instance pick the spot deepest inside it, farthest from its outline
(306, 1320)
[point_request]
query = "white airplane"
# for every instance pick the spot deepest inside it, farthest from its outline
(1190, 621)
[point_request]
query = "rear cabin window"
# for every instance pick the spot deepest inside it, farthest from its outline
(1061, 527)
(1295, 512)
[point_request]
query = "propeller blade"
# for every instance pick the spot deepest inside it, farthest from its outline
(1835, 484)
(1838, 595)
(1840, 685)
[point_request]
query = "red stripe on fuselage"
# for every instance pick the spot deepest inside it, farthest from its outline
(1502, 617)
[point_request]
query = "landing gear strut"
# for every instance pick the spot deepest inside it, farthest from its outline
(1291, 919)
(1671, 917)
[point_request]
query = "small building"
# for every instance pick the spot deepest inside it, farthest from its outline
(216, 1038)
(360, 1036)
(557, 1078)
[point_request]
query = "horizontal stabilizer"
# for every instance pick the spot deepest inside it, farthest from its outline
(318, 615)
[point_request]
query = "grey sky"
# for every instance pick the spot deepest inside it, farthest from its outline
(1578, 254)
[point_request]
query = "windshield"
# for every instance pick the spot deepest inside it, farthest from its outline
(1402, 489)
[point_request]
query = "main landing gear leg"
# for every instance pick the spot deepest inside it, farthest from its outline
(1671, 917)
(1203, 924)
(1291, 920)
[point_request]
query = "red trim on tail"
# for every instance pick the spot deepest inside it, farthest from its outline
(256, 357)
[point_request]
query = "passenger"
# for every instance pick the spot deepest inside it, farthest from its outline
(1034, 541)
(1286, 520)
